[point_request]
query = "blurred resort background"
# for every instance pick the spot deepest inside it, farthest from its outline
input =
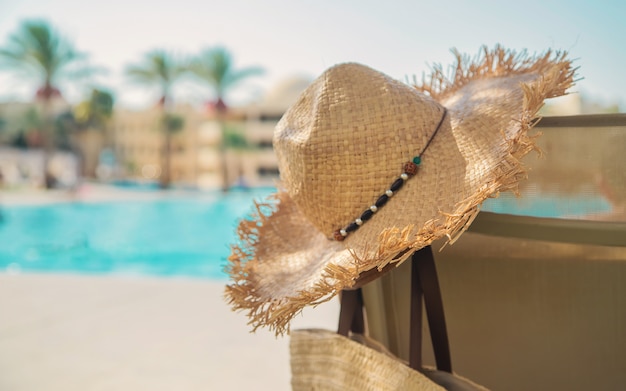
(540, 306)
(50, 142)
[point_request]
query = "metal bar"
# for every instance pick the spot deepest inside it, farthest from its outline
(549, 229)
(583, 121)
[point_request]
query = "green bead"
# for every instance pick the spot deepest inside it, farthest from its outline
(417, 160)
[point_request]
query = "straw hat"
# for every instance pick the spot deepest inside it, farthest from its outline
(373, 169)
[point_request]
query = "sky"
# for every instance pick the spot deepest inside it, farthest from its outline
(291, 38)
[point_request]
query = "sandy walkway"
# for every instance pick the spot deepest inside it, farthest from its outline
(60, 332)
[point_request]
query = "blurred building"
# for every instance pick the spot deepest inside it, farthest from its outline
(211, 151)
(138, 146)
(257, 165)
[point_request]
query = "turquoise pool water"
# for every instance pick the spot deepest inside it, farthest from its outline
(549, 205)
(185, 236)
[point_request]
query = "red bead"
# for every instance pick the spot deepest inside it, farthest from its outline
(410, 168)
(338, 236)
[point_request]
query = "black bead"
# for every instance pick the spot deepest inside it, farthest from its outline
(397, 185)
(367, 215)
(382, 200)
(352, 227)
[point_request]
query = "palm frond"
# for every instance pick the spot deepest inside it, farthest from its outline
(158, 68)
(215, 66)
(38, 49)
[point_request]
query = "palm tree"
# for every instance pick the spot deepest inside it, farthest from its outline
(163, 70)
(96, 111)
(91, 117)
(216, 68)
(39, 52)
(170, 124)
(160, 69)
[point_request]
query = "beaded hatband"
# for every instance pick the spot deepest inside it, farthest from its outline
(409, 170)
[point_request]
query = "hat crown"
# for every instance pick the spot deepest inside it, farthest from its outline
(346, 139)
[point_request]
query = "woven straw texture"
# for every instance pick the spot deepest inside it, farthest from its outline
(343, 143)
(323, 360)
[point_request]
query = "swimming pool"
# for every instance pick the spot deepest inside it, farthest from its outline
(183, 236)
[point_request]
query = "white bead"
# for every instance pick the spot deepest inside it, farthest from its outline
(404, 176)
(343, 232)
(358, 222)
(373, 208)
(389, 193)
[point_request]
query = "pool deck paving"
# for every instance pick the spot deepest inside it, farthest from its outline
(93, 333)
(88, 192)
